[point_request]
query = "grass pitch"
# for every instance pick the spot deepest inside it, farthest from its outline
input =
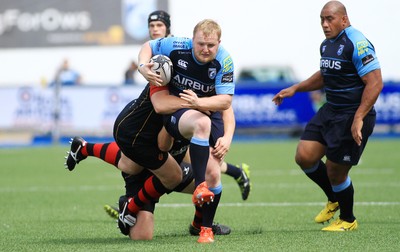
(47, 208)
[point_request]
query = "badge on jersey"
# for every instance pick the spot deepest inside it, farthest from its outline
(340, 50)
(362, 47)
(367, 59)
(227, 77)
(212, 72)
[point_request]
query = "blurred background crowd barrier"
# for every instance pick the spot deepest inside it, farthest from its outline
(32, 114)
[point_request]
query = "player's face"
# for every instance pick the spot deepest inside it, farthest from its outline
(332, 22)
(205, 47)
(157, 29)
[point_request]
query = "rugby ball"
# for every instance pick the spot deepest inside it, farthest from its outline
(163, 67)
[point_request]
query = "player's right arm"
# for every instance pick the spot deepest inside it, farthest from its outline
(163, 102)
(314, 82)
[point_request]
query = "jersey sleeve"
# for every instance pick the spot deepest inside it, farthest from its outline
(364, 57)
(165, 46)
(224, 81)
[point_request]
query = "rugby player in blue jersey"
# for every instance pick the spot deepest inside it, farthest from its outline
(351, 78)
(203, 77)
(159, 26)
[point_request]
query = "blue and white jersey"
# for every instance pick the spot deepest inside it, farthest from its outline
(344, 60)
(215, 77)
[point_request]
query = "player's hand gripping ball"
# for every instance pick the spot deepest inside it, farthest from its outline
(163, 67)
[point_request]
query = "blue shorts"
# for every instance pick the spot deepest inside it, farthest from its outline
(333, 129)
(171, 123)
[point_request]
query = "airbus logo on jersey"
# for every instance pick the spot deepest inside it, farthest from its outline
(182, 64)
(331, 64)
(194, 85)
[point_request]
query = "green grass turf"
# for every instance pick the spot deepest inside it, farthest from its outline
(47, 208)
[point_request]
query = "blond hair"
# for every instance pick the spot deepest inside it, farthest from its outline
(208, 26)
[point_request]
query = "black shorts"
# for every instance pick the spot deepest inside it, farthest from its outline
(187, 176)
(333, 129)
(179, 149)
(171, 123)
(136, 130)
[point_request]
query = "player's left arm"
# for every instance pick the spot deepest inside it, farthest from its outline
(369, 70)
(217, 102)
(224, 87)
(373, 87)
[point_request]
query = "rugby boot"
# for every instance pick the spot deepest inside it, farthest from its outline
(206, 235)
(202, 195)
(244, 180)
(340, 225)
(111, 211)
(218, 229)
(74, 154)
(126, 219)
(328, 212)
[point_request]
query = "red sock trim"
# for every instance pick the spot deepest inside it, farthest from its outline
(133, 207)
(145, 195)
(150, 188)
(97, 150)
(111, 153)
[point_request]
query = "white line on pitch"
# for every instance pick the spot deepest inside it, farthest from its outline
(279, 204)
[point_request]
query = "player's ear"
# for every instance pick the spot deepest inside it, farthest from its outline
(345, 20)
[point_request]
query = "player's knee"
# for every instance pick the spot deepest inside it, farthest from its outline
(303, 160)
(203, 126)
(178, 176)
(171, 177)
(213, 177)
(171, 182)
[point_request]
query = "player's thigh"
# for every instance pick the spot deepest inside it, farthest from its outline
(309, 152)
(128, 166)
